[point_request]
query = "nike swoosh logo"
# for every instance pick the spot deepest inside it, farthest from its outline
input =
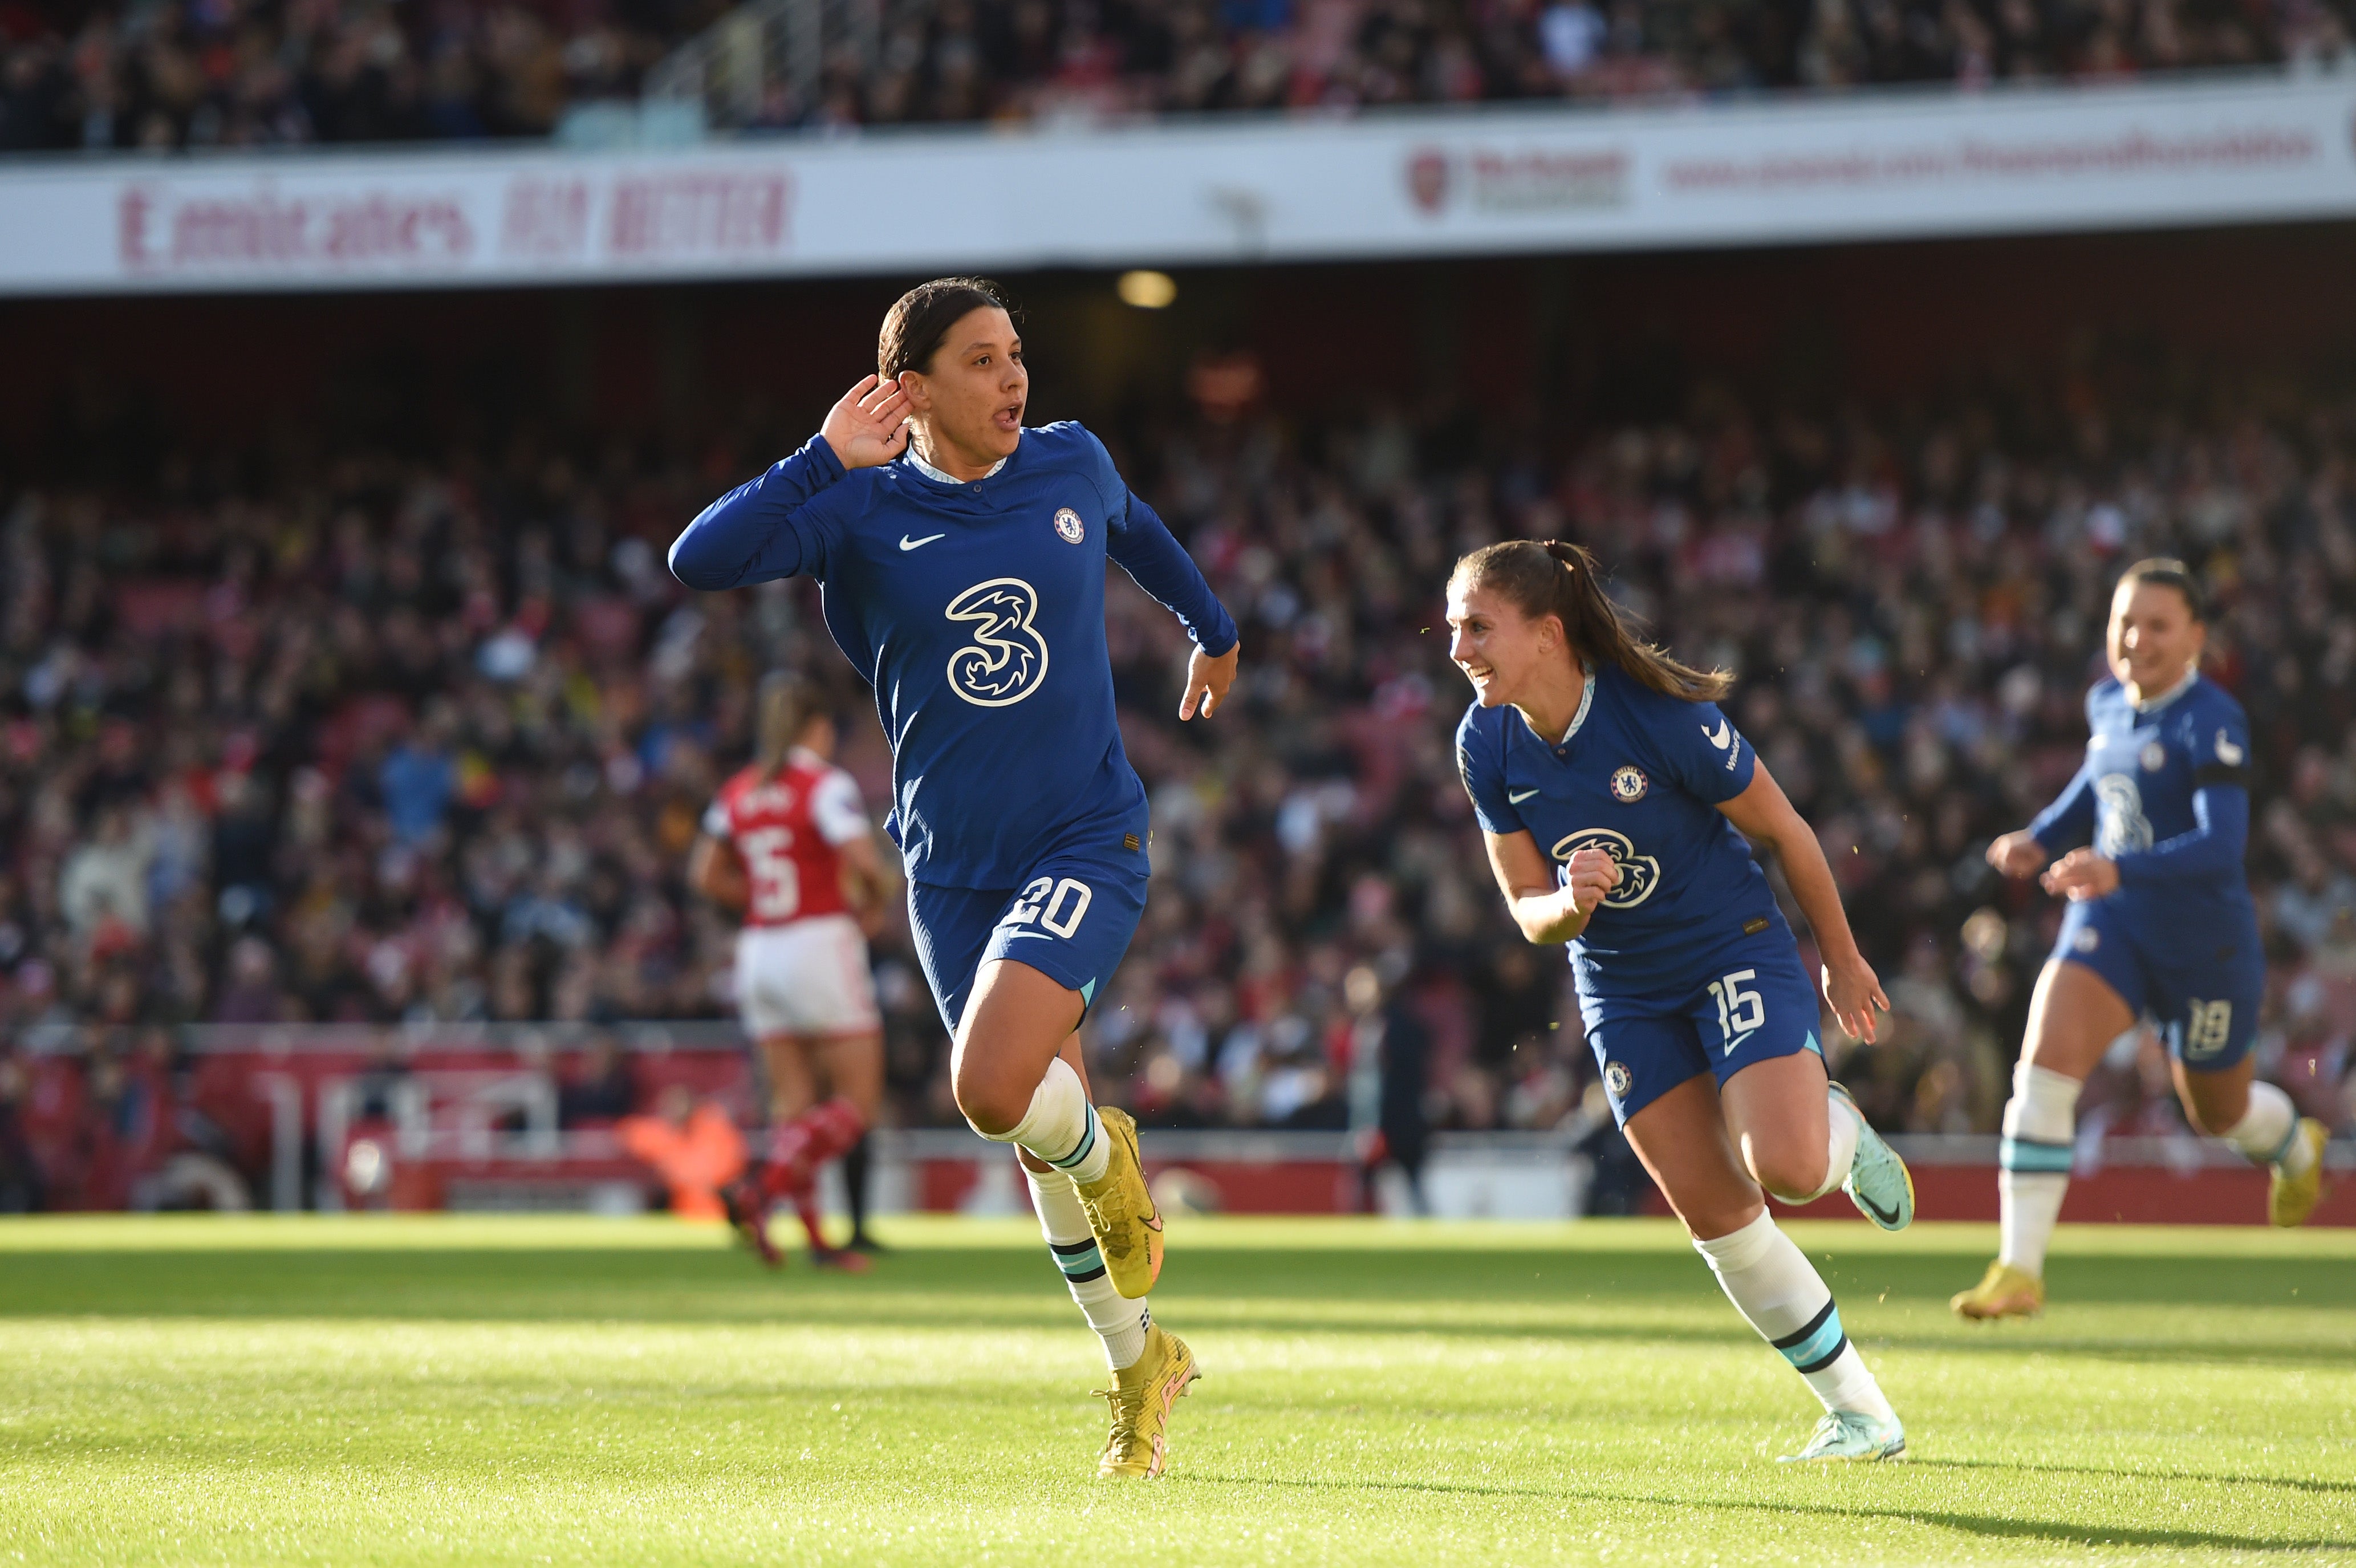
(1034, 936)
(1725, 733)
(908, 544)
(1888, 1217)
(1736, 1043)
(1524, 795)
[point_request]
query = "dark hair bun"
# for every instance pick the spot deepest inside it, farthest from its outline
(920, 318)
(2170, 572)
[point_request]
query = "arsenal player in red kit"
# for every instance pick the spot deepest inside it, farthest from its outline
(787, 843)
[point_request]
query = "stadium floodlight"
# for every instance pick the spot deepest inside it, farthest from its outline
(1147, 290)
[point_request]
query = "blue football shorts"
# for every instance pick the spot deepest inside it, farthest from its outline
(1071, 920)
(1755, 1006)
(2204, 998)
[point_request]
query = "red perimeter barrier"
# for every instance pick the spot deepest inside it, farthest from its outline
(467, 1117)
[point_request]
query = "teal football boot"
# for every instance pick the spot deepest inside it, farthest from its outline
(1848, 1434)
(1878, 1182)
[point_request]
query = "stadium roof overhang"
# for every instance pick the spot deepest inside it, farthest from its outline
(2246, 149)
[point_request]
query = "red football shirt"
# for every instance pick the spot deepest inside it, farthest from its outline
(787, 829)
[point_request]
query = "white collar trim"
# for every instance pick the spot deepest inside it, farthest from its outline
(937, 477)
(1586, 701)
(2153, 705)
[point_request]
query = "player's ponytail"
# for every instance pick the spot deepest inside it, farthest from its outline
(1559, 578)
(780, 711)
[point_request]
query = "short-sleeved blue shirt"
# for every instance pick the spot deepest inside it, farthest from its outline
(1638, 776)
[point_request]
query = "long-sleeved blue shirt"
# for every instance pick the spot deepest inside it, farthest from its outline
(977, 612)
(2164, 795)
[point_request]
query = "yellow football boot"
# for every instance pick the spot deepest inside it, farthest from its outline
(2292, 1199)
(1120, 1210)
(1141, 1396)
(2003, 1292)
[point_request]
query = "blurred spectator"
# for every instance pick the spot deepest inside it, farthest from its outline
(601, 1090)
(347, 70)
(250, 993)
(2318, 905)
(200, 817)
(172, 75)
(1617, 1184)
(103, 890)
(418, 780)
(377, 1090)
(1390, 1048)
(20, 1173)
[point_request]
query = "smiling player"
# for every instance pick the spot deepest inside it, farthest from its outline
(963, 561)
(2160, 920)
(1609, 787)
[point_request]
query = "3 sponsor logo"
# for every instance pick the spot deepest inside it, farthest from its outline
(1007, 659)
(2124, 829)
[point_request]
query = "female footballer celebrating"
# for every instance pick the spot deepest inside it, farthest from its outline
(962, 558)
(1610, 790)
(2160, 921)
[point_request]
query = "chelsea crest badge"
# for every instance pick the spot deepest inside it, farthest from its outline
(1629, 784)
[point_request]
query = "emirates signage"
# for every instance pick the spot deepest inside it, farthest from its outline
(2254, 149)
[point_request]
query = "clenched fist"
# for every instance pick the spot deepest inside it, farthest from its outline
(1591, 875)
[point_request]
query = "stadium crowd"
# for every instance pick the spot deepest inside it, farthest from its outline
(389, 739)
(164, 73)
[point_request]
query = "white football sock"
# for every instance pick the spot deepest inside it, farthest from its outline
(1061, 1126)
(1780, 1293)
(1842, 1131)
(1119, 1322)
(2267, 1132)
(2040, 1123)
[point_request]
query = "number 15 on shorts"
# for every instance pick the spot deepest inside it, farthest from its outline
(1740, 1012)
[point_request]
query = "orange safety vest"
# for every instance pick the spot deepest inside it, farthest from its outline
(695, 1161)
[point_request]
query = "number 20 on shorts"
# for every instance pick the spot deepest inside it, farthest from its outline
(1059, 906)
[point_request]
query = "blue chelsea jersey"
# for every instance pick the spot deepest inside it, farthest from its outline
(2164, 795)
(1638, 776)
(977, 612)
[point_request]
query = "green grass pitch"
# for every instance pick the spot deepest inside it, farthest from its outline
(453, 1390)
